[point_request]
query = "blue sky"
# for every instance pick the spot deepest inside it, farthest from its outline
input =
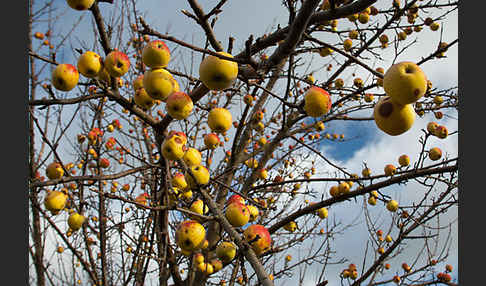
(242, 18)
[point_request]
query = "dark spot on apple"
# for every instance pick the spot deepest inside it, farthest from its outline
(409, 70)
(218, 77)
(385, 109)
(60, 82)
(175, 108)
(178, 140)
(90, 72)
(416, 92)
(119, 65)
(197, 168)
(187, 242)
(80, 7)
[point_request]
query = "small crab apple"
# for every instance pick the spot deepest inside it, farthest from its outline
(55, 201)
(217, 73)
(324, 52)
(159, 83)
(441, 132)
(201, 176)
(75, 221)
(237, 214)
(104, 163)
(390, 170)
(80, 5)
(405, 82)
(212, 141)
(179, 181)
(404, 160)
(54, 171)
(322, 212)
(393, 118)
(392, 206)
(199, 207)
(190, 235)
(291, 226)
(219, 120)
(65, 77)
(226, 251)
(262, 174)
(435, 153)
(156, 54)
(253, 212)
(192, 157)
(90, 64)
(261, 243)
(347, 44)
(431, 127)
(142, 99)
(117, 63)
(172, 148)
(317, 102)
(179, 105)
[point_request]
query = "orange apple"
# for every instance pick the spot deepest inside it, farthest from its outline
(261, 244)
(404, 160)
(117, 63)
(435, 154)
(390, 170)
(212, 140)
(317, 102)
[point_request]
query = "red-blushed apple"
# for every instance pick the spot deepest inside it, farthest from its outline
(237, 214)
(392, 118)
(259, 244)
(199, 207)
(173, 148)
(212, 141)
(441, 132)
(156, 54)
(117, 63)
(262, 174)
(65, 77)
(90, 64)
(390, 170)
(104, 163)
(253, 212)
(179, 181)
(404, 160)
(219, 120)
(235, 198)
(405, 82)
(142, 199)
(190, 235)
(179, 105)
(216, 73)
(317, 102)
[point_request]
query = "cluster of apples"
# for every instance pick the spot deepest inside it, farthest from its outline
(445, 276)
(350, 272)
(437, 130)
(208, 268)
(404, 84)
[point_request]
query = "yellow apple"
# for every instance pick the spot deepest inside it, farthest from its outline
(435, 154)
(190, 235)
(324, 52)
(353, 34)
(372, 200)
(392, 206)
(80, 5)
(366, 172)
(253, 212)
(172, 148)
(347, 44)
(65, 77)
(217, 264)
(179, 181)
(226, 251)
(291, 226)
(390, 170)
(156, 54)
(237, 214)
(216, 73)
(322, 212)
(199, 258)
(405, 82)
(117, 63)
(104, 76)
(219, 120)
(179, 105)
(55, 201)
(199, 207)
(192, 157)
(159, 83)
(404, 160)
(343, 188)
(201, 176)
(138, 82)
(235, 198)
(363, 18)
(142, 99)
(393, 118)
(75, 221)
(54, 171)
(264, 241)
(90, 64)
(317, 102)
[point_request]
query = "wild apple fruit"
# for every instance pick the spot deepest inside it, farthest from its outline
(117, 63)
(156, 54)
(137, 82)
(237, 214)
(260, 244)
(55, 201)
(216, 73)
(212, 140)
(324, 52)
(392, 206)
(253, 212)
(192, 157)
(235, 198)
(441, 131)
(405, 82)
(262, 174)
(75, 221)
(190, 235)
(226, 251)
(54, 171)
(219, 120)
(179, 105)
(65, 77)
(390, 170)
(322, 212)
(143, 100)
(179, 181)
(199, 207)
(317, 102)
(393, 118)
(435, 154)
(347, 44)
(172, 148)
(404, 160)
(159, 83)
(90, 64)
(291, 226)
(217, 264)
(80, 5)
(201, 176)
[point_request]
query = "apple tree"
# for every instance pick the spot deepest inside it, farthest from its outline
(319, 149)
